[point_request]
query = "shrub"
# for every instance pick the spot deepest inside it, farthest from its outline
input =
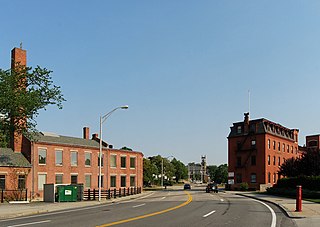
(307, 182)
(244, 186)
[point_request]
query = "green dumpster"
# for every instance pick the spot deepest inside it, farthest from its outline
(67, 193)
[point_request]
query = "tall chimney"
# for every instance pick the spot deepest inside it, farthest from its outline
(86, 133)
(246, 122)
(18, 59)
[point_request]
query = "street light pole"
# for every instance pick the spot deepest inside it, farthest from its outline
(162, 169)
(103, 119)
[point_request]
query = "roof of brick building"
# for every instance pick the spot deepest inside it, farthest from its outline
(12, 159)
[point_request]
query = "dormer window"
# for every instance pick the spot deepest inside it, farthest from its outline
(239, 129)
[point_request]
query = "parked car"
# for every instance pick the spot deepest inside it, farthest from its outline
(212, 187)
(186, 186)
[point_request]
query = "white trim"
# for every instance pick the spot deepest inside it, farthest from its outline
(74, 174)
(42, 173)
(87, 174)
(5, 173)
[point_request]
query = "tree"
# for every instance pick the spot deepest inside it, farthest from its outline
(150, 170)
(24, 92)
(218, 174)
(290, 168)
(181, 171)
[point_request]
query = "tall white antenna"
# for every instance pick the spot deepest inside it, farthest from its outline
(249, 101)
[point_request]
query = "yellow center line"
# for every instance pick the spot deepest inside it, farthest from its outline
(151, 214)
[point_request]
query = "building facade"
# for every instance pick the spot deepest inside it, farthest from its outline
(256, 150)
(50, 158)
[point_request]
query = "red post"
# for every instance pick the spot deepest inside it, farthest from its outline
(299, 199)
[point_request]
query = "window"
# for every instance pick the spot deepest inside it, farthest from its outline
(132, 181)
(123, 181)
(283, 147)
(278, 146)
(113, 181)
(101, 180)
(101, 160)
(253, 178)
(58, 158)
(238, 178)
(268, 159)
(123, 162)
(87, 161)
(278, 161)
(59, 178)
(87, 181)
(274, 178)
(42, 179)
(292, 149)
(74, 158)
(268, 143)
(238, 161)
(2, 181)
(274, 160)
(239, 129)
(113, 160)
(21, 181)
(296, 150)
(274, 145)
(312, 143)
(288, 150)
(269, 177)
(132, 162)
(42, 155)
(253, 143)
(74, 179)
(253, 160)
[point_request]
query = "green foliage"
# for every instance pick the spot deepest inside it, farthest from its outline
(307, 165)
(218, 174)
(291, 192)
(149, 172)
(24, 92)
(244, 186)
(307, 182)
(126, 148)
(181, 171)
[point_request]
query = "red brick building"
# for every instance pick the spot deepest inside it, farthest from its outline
(256, 149)
(51, 158)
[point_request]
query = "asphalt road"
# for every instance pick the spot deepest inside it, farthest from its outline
(166, 208)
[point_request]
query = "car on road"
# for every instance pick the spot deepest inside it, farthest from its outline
(186, 186)
(212, 187)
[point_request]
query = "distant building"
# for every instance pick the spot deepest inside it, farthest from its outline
(256, 150)
(51, 158)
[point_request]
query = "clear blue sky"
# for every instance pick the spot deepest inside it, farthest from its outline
(183, 67)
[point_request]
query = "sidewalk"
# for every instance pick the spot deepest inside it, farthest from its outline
(308, 217)
(9, 210)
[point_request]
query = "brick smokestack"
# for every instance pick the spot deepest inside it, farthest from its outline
(246, 123)
(18, 59)
(86, 133)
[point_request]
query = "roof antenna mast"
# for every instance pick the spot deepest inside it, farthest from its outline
(249, 101)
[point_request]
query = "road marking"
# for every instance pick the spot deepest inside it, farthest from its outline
(274, 217)
(208, 214)
(151, 214)
(162, 198)
(31, 223)
(139, 205)
(221, 200)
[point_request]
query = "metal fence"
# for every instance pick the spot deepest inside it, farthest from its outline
(13, 195)
(93, 194)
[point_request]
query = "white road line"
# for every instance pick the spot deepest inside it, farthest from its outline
(274, 217)
(206, 215)
(139, 205)
(31, 223)
(162, 198)
(221, 200)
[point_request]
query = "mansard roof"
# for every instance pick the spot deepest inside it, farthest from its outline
(262, 126)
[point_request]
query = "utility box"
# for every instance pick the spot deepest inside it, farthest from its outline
(48, 193)
(66, 193)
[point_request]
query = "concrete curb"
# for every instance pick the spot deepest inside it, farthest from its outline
(283, 208)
